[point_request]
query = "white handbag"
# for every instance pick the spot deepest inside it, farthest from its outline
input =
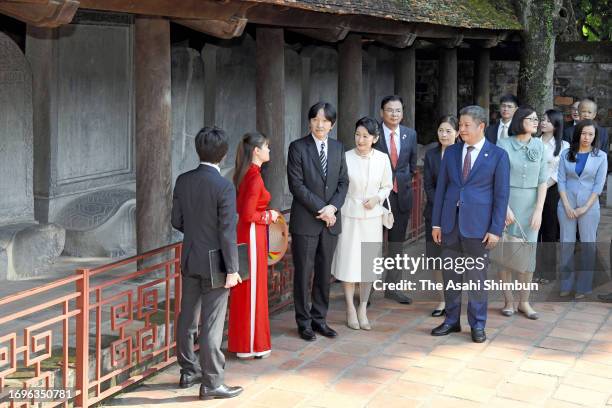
(387, 217)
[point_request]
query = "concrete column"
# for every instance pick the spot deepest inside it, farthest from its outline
(153, 132)
(447, 93)
(350, 85)
(482, 73)
(405, 82)
(270, 97)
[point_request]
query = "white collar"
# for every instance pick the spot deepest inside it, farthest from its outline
(319, 141)
(477, 146)
(212, 165)
(388, 131)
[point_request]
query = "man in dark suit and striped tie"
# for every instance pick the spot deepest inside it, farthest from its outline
(318, 180)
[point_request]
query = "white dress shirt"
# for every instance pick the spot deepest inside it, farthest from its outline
(318, 142)
(474, 153)
(396, 137)
(212, 165)
(551, 159)
(500, 130)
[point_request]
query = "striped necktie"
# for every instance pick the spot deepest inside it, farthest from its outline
(323, 159)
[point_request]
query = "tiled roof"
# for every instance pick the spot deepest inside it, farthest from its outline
(487, 14)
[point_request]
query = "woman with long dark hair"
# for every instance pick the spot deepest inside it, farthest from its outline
(581, 178)
(528, 178)
(552, 137)
(448, 130)
(249, 325)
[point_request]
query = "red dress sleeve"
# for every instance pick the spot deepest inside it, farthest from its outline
(253, 188)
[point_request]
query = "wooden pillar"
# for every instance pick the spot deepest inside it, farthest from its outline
(350, 85)
(270, 99)
(482, 73)
(405, 82)
(447, 92)
(153, 133)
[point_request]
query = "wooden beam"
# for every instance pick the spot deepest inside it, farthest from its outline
(226, 29)
(40, 13)
(185, 9)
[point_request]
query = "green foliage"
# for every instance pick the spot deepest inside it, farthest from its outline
(594, 19)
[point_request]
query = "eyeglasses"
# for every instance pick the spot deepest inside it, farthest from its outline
(391, 111)
(507, 106)
(534, 120)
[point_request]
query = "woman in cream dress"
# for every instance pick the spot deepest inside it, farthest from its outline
(370, 181)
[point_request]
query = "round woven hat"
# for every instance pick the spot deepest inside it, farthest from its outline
(278, 240)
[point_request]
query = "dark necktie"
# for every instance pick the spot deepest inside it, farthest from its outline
(323, 159)
(467, 163)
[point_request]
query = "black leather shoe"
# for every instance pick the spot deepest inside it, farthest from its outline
(399, 297)
(478, 335)
(605, 298)
(221, 392)
(324, 330)
(438, 312)
(307, 334)
(445, 329)
(187, 381)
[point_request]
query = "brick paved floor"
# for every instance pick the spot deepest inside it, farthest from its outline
(562, 360)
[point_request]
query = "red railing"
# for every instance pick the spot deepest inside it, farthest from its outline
(123, 316)
(139, 319)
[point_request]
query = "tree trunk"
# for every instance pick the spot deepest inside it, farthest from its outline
(535, 87)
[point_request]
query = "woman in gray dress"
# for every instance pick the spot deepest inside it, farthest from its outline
(528, 184)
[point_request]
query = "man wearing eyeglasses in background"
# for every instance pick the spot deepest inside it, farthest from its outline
(400, 143)
(508, 104)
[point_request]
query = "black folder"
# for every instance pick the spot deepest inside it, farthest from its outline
(218, 271)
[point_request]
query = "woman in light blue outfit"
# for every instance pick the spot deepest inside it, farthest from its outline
(581, 178)
(528, 184)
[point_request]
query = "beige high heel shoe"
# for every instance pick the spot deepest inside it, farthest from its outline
(363, 318)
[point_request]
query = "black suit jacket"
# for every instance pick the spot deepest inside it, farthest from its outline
(313, 191)
(601, 131)
(204, 209)
(491, 132)
(406, 163)
(431, 170)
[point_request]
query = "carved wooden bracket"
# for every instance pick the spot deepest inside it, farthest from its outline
(452, 42)
(331, 35)
(40, 13)
(396, 41)
(225, 29)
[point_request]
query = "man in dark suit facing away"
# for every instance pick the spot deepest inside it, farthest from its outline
(318, 180)
(400, 143)
(508, 104)
(204, 210)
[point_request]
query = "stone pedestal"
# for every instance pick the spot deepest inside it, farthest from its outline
(26, 247)
(83, 97)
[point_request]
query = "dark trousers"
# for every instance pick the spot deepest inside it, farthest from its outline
(312, 258)
(548, 236)
(200, 303)
(396, 236)
(454, 245)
